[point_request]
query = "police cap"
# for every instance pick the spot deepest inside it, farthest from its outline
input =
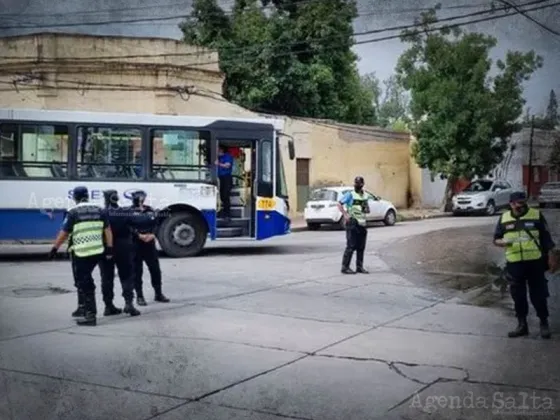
(517, 196)
(138, 195)
(80, 193)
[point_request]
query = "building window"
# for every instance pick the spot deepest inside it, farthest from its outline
(33, 151)
(109, 152)
(552, 174)
(180, 155)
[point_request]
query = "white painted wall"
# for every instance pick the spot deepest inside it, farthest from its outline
(432, 191)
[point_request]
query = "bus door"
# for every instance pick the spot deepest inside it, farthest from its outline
(264, 190)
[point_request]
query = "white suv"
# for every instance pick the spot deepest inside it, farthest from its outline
(482, 196)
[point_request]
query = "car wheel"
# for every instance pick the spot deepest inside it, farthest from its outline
(313, 226)
(390, 218)
(490, 208)
(183, 235)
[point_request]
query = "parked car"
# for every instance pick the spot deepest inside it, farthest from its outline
(549, 195)
(322, 209)
(482, 197)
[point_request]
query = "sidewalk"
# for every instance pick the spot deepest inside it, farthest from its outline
(404, 215)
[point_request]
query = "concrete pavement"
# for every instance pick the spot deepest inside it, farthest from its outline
(271, 331)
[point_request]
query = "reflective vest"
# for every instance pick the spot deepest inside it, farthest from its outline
(516, 229)
(359, 208)
(87, 233)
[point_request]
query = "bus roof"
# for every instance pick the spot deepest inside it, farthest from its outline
(127, 118)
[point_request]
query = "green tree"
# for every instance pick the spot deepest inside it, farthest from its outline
(554, 159)
(295, 59)
(462, 117)
(552, 110)
(394, 106)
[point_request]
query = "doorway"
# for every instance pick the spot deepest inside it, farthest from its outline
(241, 223)
(302, 182)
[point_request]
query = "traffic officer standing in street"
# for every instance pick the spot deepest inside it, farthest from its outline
(144, 220)
(120, 223)
(524, 234)
(354, 207)
(88, 226)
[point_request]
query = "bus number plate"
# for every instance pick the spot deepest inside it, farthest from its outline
(266, 204)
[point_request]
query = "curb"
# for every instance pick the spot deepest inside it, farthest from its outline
(303, 228)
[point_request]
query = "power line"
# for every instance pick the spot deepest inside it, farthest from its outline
(174, 17)
(262, 46)
(531, 18)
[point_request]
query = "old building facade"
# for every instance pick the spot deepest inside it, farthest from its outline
(161, 76)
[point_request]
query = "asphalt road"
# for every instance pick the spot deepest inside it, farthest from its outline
(271, 331)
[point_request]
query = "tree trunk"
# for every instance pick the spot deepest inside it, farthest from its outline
(446, 204)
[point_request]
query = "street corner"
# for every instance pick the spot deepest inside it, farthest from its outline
(474, 401)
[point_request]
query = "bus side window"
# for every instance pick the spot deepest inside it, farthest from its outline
(35, 151)
(109, 152)
(180, 155)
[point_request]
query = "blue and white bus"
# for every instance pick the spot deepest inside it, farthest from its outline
(45, 154)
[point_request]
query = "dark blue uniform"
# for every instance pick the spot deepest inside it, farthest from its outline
(145, 219)
(120, 222)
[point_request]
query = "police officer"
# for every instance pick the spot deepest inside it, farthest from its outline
(120, 222)
(354, 207)
(88, 226)
(524, 234)
(144, 224)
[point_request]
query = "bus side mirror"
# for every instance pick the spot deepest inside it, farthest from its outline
(291, 149)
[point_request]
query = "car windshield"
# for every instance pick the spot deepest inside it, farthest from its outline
(479, 186)
(551, 186)
(323, 195)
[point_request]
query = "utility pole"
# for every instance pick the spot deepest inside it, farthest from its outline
(531, 158)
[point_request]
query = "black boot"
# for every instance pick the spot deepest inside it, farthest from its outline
(545, 330)
(362, 270)
(90, 318)
(347, 270)
(130, 309)
(80, 311)
(111, 309)
(360, 262)
(140, 301)
(521, 330)
(160, 297)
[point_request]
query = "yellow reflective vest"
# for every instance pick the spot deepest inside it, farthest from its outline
(359, 208)
(523, 236)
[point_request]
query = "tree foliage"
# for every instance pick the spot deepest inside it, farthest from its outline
(554, 158)
(549, 120)
(393, 109)
(294, 57)
(462, 117)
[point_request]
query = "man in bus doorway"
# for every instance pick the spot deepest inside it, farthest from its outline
(354, 207)
(225, 176)
(121, 226)
(88, 225)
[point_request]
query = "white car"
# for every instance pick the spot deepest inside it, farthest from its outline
(483, 197)
(322, 209)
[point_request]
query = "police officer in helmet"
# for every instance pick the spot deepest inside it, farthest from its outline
(145, 222)
(523, 233)
(92, 240)
(354, 207)
(120, 222)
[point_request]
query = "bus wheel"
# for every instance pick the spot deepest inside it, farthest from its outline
(183, 235)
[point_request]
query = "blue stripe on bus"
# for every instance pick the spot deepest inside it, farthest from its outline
(271, 223)
(40, 225)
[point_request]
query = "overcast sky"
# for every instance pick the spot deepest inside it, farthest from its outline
(380, 57)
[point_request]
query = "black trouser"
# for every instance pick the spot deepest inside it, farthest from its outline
(146, 252)
(356, 237)
(75, 275)
(531, 275)
(123, 261)
(83, 269)
(226, 183)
